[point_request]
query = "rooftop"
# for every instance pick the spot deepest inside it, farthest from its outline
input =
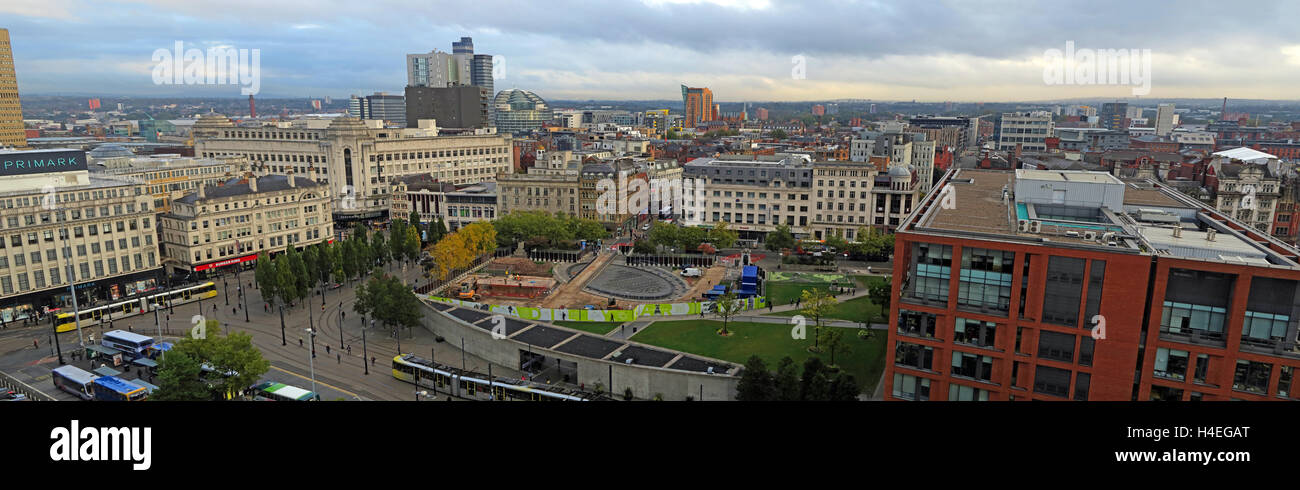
(986, 206)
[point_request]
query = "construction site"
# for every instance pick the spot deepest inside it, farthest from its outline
(600, 280)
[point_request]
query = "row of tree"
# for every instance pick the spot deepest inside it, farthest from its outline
(817, 382)
(690, 238)
(869, 243)
(458, 250)
(543, 229)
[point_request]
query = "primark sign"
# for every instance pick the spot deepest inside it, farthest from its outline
(41, 161)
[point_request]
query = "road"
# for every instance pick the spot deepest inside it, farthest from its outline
(340, 374)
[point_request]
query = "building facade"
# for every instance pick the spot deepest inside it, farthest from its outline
(228, 225)
(697, 106)
(1029, 130)
(63, 225)
(1062, 285)
(357, 161)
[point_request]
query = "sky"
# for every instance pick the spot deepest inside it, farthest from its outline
(758, 50)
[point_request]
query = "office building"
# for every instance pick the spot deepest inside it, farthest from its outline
(438, 69)
(64, 224)
(228, 225)
(968, 128)
(999, 295)
(452, 107)
(12, 134)
(519, 111)
(357, 160)
(381, 106)
(1028, 130)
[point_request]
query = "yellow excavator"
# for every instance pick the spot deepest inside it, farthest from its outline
(468, 291)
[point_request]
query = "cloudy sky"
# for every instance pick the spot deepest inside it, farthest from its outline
(644, 49)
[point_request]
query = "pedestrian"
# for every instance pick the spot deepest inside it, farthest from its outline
(234, 310)
(340, 358)
(349, 349)
(36, 344)
(372, 360)
(299, 341)
(327, 349)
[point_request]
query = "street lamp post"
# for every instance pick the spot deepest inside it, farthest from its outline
(340, 325)
(311, 361)
(225, 289)
(365, 356)
(242, 295)
(282, 341)
(57, 348)
(311, 324)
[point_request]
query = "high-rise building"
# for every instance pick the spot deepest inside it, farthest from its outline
(438, 69)
(818, 110)
(760, 114)
(1164, 119)
(379, 106)
(11, 111)
(1041, 295)
(698, 106)
(464, 46)
(1113, 115)
(451, 107)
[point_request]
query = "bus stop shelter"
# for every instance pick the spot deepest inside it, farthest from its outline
(96, 352)
(107, 371)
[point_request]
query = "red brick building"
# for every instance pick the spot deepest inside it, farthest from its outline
(997, 295)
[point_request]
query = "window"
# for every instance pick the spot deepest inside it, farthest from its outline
(1086, 344)
(1052, 381)
(1196, 302)
(1056, 346)
(1165, 394)
(1252, 376)
(975, 332)
(1267, 311)
(932, 269)
(1202, 367)
(1063, 290)
(913, 355)
(916, 323)
(1171, 363)
(985, 278)
(959, 393)
(972, 365)
(1081, 386)
(910, 387)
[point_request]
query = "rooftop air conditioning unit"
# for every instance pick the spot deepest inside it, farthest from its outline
(1178, 232)
(1023, 225)
(1035, 226)
(1072, 233)
(1090, 235)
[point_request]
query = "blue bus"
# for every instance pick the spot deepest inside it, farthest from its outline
(133, 345)
(114, 389)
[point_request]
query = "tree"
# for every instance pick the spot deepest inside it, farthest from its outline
(414, 218)
(298, 271)
(787, 380)
(327, 260)
(756, 383)
(437, 229)
(643, 247)
(309, 259)
(727, 306)
(388, 301)
(266, 276)
(350, 258)
(286, 290)
(234, 365)
(817, 304)
(778, 134)
(832, 339)
(843, 388)
(412, 247)
(179, 377)
(881, 294)
(663, 234)
(381, 249)
(780, 238)
(723, 236)
(813, 385)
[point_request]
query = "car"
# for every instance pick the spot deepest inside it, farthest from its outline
(645, 227)
(11, 396)
(336, 285)
(692, 272)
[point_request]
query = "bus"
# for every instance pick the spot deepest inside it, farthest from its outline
(132, 344)
(114, 389)
(64, 322)
(74, 380)
(281, 392)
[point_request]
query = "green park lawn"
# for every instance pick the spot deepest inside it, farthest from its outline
(864, 359)
(855, 310)
(598, 328)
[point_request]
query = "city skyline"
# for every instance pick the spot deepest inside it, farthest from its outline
(743, 51)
